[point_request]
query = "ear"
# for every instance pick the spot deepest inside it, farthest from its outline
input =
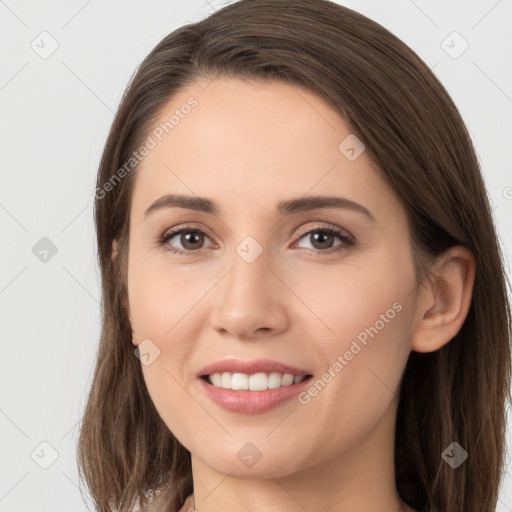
(444, 300)
(114, 254)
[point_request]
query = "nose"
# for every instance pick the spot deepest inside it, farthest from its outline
(250, 301)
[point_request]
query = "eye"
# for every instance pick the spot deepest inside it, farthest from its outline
(322, 238)
(190, 238)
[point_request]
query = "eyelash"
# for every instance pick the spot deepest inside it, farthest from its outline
(347, 241)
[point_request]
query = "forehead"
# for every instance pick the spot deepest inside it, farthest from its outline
(251, 142)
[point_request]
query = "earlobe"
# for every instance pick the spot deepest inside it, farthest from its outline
(444, 300)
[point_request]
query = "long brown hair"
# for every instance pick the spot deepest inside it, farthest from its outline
(411, 127)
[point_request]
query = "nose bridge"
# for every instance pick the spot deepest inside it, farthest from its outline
(249, 268)
(248, 298)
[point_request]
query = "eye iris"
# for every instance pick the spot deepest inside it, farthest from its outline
(322, 235)
(185, 239)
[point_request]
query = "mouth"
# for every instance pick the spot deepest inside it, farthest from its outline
(252, 393)
(259, 381)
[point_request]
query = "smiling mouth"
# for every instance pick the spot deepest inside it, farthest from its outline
(255, 382)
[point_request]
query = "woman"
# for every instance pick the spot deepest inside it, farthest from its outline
(304, 299)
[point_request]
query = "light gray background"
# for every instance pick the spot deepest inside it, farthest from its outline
(55, 115)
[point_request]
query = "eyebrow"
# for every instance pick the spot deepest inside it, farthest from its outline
(290, 206)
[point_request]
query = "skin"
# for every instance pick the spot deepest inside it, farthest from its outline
(248, 145)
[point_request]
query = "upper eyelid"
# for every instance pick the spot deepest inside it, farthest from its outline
(329, 226)
(186, 227)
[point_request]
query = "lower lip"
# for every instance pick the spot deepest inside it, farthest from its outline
(252, 402)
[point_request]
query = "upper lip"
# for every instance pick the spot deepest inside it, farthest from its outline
(249, 367)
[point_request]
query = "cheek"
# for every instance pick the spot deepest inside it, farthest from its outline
(356, 298)
(161, 297)
(362, 327)
(164, 307)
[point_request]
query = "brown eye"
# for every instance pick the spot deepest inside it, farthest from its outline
(190, 239)
(322, 239)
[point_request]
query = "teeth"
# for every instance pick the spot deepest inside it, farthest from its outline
(254, 382)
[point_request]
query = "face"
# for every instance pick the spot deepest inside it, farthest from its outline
(328, 290)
